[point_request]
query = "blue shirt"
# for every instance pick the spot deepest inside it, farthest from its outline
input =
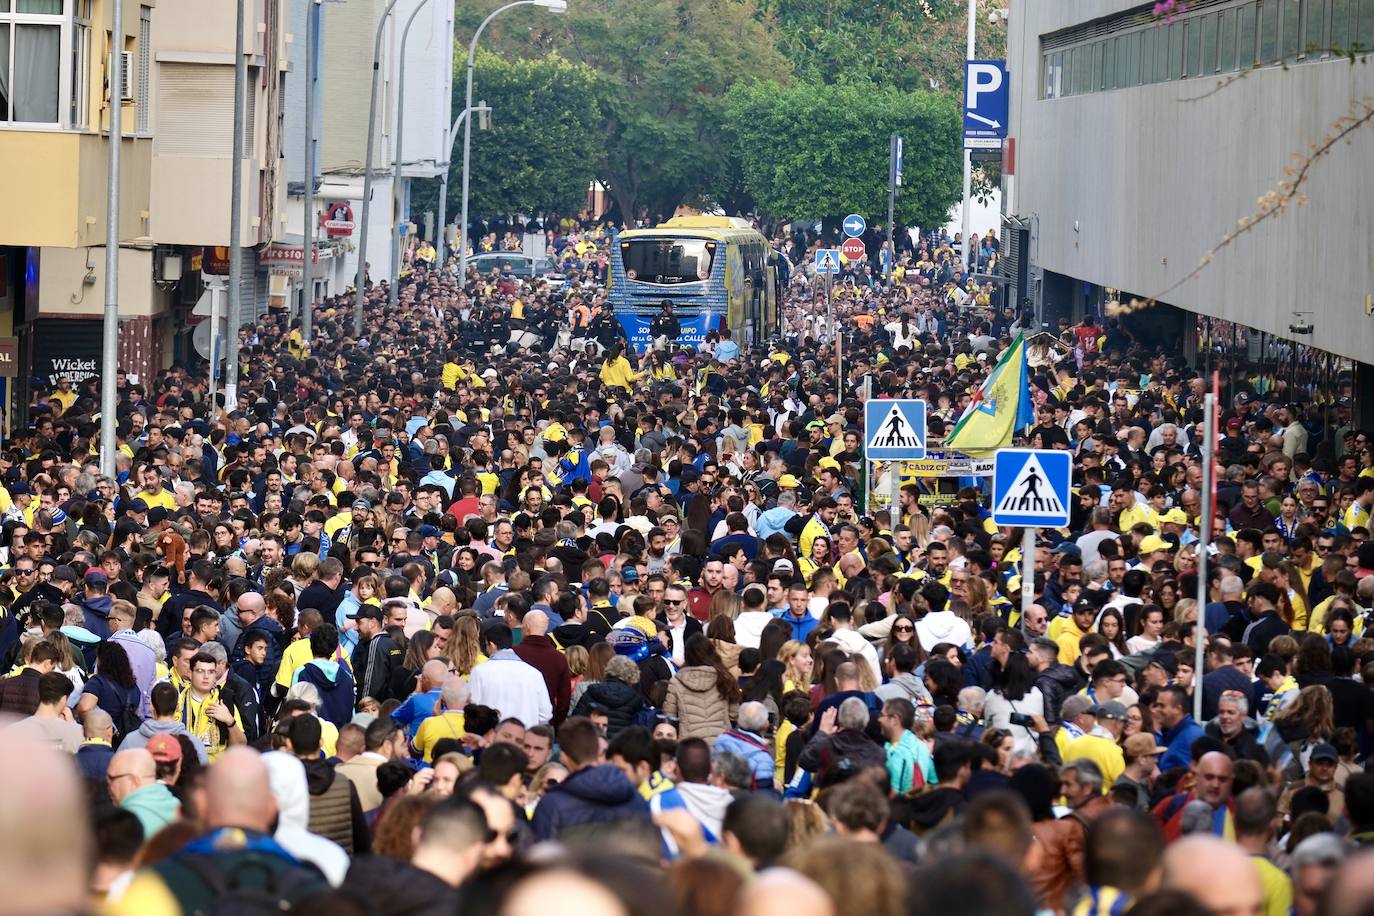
(1178, 740)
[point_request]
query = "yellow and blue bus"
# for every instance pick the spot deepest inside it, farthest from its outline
(717, 271)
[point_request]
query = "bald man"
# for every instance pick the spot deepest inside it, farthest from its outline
(133, 785)
(240, 811)
(783, 892)
(1218, 874)
(422, 704)
(93, 757)
(44, 829)
(538, 650)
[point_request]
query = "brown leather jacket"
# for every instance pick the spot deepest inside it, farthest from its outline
(1054, 864)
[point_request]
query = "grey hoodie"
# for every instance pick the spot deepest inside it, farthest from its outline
(150, 727)
(905, 686)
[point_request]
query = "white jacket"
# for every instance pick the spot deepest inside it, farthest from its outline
(513, 687)
(943, 626)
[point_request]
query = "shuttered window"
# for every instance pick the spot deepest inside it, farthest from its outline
(195, 111)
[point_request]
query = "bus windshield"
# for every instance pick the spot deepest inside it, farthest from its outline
(667, 261)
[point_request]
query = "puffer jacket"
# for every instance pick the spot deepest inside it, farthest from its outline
(1057, 684)
(701, 710)
(620, 701)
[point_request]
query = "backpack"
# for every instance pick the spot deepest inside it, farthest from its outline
(126, 720)
(248, 883)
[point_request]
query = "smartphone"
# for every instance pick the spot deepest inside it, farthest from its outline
(1022, 720)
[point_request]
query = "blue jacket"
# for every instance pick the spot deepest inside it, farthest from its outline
(335, 685)
(801, 628)
(596, 795)
(1178, 740)
(753, 749)
(275, 640)
(415, 710)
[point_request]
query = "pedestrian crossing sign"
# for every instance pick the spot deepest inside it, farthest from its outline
(894, 430)
(827, 260)
(1031, 487)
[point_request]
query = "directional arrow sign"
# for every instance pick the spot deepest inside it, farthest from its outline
(986, 99)
(854, 225)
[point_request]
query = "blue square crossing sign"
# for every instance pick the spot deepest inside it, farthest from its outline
(894, 430)
(1031, 487)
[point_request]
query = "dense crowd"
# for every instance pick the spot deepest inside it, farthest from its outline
(485, 610)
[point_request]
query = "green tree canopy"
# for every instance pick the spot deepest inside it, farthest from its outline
(545, 141)
(663, 68)
(808, 150)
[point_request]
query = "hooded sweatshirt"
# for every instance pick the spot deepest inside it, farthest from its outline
(594, 795)
(154, 805)
(705, 803)
(287, 776)
(151, 727)
(943, 626)
(335, 685)
(97, 614)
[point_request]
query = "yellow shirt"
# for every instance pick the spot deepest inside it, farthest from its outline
(1133, 515)
(434, 729)
(194, 715)
(1068, 638)
(618, 374)
(1102, 751)
(65, 398)
(1278, 889)
(162, 499)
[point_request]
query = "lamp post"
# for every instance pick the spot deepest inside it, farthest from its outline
(231, 363)
(393, 290)
(553, 6)
(109, 349)
(361, 291)
(968, 156)
(482, 108)
(312, 11)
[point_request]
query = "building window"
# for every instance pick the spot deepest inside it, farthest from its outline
(80, 94)
(32, 68)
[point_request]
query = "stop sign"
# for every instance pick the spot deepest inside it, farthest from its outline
(853, 249)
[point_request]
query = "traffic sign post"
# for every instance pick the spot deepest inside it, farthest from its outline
(895, 430)
(986, 98)
(853, 249)
(854, 225)
(1031, 489)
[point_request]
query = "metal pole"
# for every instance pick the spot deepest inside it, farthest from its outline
(891, 197)
(216, 291)
(361, 291)
(1204, 537)
(312, 10)
(231, 370)
(968, 156)
(1027, 571)
(467, 139)
(393, 291)
(109, 349)
(443, 183)
(896, 485)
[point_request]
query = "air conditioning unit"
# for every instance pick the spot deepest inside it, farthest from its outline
(126, 74)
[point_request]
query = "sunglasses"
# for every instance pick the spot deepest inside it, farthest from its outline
(904, 629)
(673, 602)
(26, 572)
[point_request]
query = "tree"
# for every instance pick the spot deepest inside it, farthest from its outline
(908, 44)
(545, 141)
(663, 69)
(822, 151)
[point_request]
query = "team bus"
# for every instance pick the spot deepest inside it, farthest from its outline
(717, 271)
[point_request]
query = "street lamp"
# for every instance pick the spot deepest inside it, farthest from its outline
(361, 292)
(483, 111)
(394, 288)
(553, 6)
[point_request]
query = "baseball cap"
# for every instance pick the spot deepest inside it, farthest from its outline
(164, 748)
(1325, 752)
(428, 531)
(362, 504)
(1165, 660)
(367, 611)
(1143, 746)
(1152, 542)
(1234, 423)
(1175, 516)
(1068, 547)
(158, 515)
(828, 462)
(788, 482)
(96, 577)
(1085, 604)
(783, 565)
(1110, 710)
(137, 505)
(629, 574)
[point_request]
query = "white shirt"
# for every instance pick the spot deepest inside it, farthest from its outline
(513, 687)
(854, 643)
(749, 628)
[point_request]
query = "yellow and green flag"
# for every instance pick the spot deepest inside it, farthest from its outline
(1000, 406)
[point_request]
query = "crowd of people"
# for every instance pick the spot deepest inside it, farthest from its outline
(484, 610)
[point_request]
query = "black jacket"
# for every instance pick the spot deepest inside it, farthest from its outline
(374, 662)
(1057, 684)
(620, 701)
(665, 326)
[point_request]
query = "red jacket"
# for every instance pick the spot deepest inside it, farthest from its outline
(541, 652)
(699, 603)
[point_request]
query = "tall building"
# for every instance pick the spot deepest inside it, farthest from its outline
(175, 103)
(1139, 145)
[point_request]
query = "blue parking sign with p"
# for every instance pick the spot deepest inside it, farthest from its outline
(986, 104)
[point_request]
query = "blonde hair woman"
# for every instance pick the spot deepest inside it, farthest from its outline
(464, 649)
(798, 666)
